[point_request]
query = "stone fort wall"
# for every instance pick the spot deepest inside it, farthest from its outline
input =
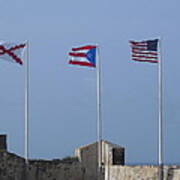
(141, 173)
(13, 167)
(80, 167)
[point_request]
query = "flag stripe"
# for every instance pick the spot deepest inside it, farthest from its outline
(150, 57)
(83, 48)
(77, 54)
(150, 61)
(81, 63)
(136, 43)
(139, 44)
(140, 52)
(17, 47)
(17, 59)
(139, 49)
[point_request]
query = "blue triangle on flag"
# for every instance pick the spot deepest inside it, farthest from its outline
(91, 56)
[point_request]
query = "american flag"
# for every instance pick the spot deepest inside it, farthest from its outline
(145, 51)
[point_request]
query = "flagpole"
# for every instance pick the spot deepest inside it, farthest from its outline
(160, 107)
(99, 120)
(26, 148)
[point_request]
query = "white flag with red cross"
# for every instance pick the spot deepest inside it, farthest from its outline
(12, 52)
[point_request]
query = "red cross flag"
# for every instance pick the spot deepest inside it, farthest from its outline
(12, 52)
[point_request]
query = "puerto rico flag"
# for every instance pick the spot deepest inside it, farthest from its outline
(83, 56)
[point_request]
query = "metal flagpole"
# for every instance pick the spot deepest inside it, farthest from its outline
(26, 148)
(160, 107)
(99, 120)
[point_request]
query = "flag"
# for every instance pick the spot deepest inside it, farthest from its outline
(83, 56)
(145, 51)
(12, 52)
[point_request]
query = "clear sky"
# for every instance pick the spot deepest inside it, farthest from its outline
(63, 97)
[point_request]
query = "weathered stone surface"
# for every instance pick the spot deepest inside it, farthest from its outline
(88, 154)
(13, 167)
(141, 173)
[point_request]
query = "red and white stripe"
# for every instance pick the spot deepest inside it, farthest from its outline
(141, 53)
(78, 56)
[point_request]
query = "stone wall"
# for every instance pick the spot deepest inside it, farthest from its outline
(81, 167)
(88, 158)
(55, 170)
(13, 167)
(140, 173)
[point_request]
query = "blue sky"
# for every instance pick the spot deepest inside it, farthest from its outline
(63, 97)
